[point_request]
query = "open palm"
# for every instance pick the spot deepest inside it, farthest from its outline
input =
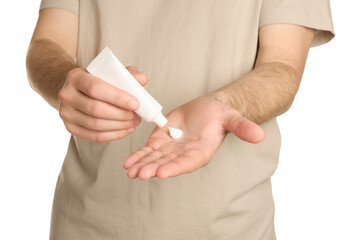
(205, 122)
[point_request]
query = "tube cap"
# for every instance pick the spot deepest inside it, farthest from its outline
(160, 120)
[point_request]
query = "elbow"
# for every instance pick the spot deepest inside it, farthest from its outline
(29, 68)
(34, 65)
(292, 84)
(289, 100)
(287, 107)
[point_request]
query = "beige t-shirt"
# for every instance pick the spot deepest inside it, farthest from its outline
(187, 48)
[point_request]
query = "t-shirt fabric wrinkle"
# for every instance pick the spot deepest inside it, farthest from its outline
(187, 49)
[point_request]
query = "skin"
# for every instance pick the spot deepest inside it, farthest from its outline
(89, 107)
(205, 123)
(92, 109)
(265, 92)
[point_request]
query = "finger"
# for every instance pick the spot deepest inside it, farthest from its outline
(98, 124)
(96, 136)
(149, 170)
(151, 157)
(101, 109)
(134, 169)
(140, 77)
(101, 90)
(186, 163)
(135, 156)
(244, 128)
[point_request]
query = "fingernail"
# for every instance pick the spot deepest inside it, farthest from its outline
(133, 105)
(137, 121)
(131, 130)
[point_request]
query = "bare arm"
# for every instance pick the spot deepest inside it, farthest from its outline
(89, 107)
(262, 94)
(269, 90)
(52, 51)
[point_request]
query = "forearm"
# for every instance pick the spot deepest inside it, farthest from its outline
(264, 93)
(47, 67)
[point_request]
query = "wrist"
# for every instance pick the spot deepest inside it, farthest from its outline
(232, 99)
(220, 97)
(69, 73)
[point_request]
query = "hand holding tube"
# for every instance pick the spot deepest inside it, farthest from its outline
(108, 67)
(95, 110)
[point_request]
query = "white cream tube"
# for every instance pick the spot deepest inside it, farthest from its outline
(107, 67)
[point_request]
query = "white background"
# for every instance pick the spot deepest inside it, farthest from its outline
(315, 186)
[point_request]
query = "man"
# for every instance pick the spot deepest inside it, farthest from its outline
(219, 67)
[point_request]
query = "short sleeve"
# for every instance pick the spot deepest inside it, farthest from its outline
(309, 13)
(70, 5)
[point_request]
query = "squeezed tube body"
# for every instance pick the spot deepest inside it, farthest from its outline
(107, 67)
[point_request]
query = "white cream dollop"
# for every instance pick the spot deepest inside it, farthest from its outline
(175, 133)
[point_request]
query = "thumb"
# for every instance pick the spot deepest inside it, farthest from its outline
(140, 77)
(243, 128)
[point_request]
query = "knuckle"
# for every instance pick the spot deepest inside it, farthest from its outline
(117, 99)
(72, 75)
(93, 89)
(62, 113)
(95, 123)
(69, 128)
(236, 123)
(94, 108)
(62, 96)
